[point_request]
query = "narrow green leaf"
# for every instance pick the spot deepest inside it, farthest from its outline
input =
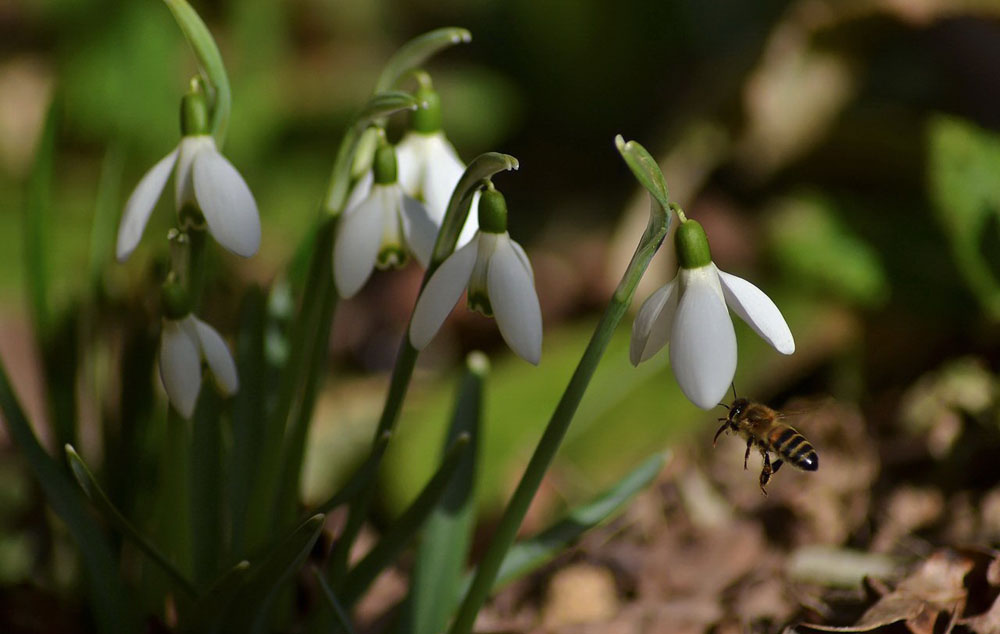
(405, 527)
(339, 613)
(210, 60)
(106, 208)
(359, 479)
(444, 545)
(251, 607)
(112, 606)
(530, 554)
(963, 160)
(207, 534)
(646, 170)
(104, 506)
(317, 343)
(37, 238)
(414, 53)
(305, 335)
(206, 617)
(249, 419)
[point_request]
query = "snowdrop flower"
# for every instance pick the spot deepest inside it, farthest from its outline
(380, 229)
(500, 283)
(690, 313)
(429, 166)
(208, 190)
(185, 342)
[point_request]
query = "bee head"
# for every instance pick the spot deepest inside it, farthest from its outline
(736, 409)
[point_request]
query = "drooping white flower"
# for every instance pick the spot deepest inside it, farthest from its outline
(497, 275)
(381, 228)
(690, 313)
(207, 191)
(184, 344)
(429, 166)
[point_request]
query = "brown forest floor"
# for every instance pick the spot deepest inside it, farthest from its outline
(893, 533)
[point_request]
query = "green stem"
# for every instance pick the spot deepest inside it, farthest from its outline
(406, 360)
(406, 526)
(481, 168)
(304, 333)
(510, 523)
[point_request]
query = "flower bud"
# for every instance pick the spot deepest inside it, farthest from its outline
(692, 245)
(492, 212)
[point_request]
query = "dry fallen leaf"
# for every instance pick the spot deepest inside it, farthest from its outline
(935, 588)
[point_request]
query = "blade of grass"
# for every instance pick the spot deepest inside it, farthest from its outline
(207, 507)
(405, 527)
(37, 237)
(110, 599)
(206, 616)
(249, 419)
(343, 619)
(444, 544)
(251, 608)
(304, 336)
(530, 554)
(100, 500)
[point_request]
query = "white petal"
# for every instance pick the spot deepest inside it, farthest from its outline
(442, 172)
(471, 225)
(219, 359)
(515, 302)
(360, 191)
(356, 248)
(227, 203)
(702, 340)
(757, 309)
(140, 205)
(411, 161)
(418, 228)
(189, 149)
(651, 328)
(441, 293)
(180, 366)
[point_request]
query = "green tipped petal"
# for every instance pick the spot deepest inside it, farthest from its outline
(492, 212)
(427, 118)
(692, 245)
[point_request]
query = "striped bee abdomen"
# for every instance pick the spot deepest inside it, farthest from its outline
(792, 447)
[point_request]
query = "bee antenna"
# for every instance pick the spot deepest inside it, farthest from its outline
(723, 405)
(734, 390)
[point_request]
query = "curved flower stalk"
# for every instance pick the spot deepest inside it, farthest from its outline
(690, 312)
(497, 274)
(208, 190)
(184, 344)
(380, 229)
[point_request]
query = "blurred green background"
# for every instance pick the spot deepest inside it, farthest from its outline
(842, 155)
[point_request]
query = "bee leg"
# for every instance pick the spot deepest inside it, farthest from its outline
(746, 456)
(721, 429)
(776, 465)
(765, 473)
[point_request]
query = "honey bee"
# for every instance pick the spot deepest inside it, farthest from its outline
(760, 425)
